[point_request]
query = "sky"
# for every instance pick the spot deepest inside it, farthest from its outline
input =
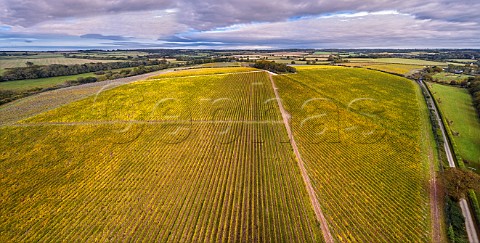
(238, 24)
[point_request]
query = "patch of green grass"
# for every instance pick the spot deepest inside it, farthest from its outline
(44, 60)
(324, 53)
(26, 84)
(456, 105)
(447, 77)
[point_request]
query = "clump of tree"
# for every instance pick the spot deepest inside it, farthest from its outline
(474, 88)
(455, 221)
(82, 80)
(434, 69)
(336, 59)
(274, 67)
(457, 182)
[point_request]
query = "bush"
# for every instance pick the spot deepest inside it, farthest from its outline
(456, 221)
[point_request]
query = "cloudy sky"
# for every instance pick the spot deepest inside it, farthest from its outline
(238, 24)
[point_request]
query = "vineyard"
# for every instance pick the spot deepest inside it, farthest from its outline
(359, 134)
(202, 155)
(204, 71)
(175, 159)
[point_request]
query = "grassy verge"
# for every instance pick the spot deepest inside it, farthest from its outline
(461, 120)
(430, 151)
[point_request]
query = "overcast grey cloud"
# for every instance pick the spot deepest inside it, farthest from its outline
(246, 23)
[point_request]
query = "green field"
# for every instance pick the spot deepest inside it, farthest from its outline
(456, 104)
(112, 54)
(398, 61)
(11, 62)
(365, 159)
(448, 77)
(324, 53)
(28, 84)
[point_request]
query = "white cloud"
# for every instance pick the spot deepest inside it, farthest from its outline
(364, 29)
(279, 23)
(142, 24)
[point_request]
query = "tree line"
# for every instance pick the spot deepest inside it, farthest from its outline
(274, 67)
(55, 70)
(474, 88)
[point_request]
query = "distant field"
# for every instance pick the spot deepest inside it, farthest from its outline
(364, 158)
(398, 61)
(463, 60)
(308, 67)
(221, 64)
(27, 84)
(203, 71)
(324, 53)
(289, 61)
(456, 105)
(402, 69)
(20, 62)
(447, 77)
(113, 54)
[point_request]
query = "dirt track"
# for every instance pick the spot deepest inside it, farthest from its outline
(306, 179)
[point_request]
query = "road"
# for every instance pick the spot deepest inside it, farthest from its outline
(306, 179)
(469, 223)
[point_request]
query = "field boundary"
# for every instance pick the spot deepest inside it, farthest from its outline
(306, 179)
(434, 194)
